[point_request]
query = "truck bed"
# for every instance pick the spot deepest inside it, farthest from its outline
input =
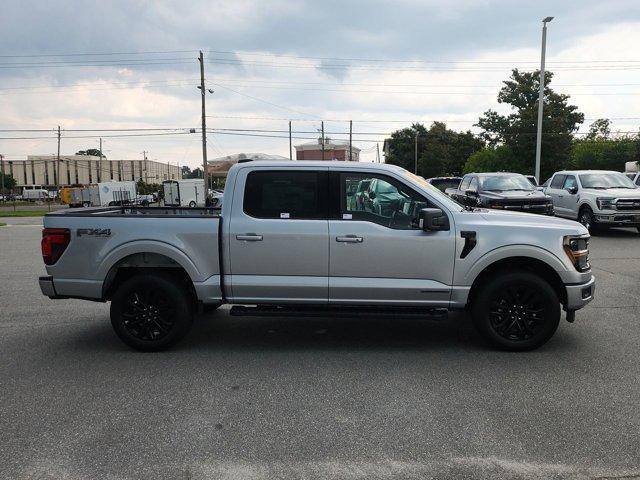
(134, 211)
(104, 238)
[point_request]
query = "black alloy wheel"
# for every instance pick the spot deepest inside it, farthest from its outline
(147, 315)
(586, 219)
(516, 310)
(152, 311)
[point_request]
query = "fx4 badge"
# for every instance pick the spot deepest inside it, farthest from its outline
(95, 232)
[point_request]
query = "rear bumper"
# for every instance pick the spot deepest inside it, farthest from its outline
(579, 295)
(46, 286)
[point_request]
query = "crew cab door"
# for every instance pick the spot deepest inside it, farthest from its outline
(385, 258)
(278, 236)
(557, 193)
(568, 201)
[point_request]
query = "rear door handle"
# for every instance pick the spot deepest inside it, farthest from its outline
(350, 239)
(249, 237)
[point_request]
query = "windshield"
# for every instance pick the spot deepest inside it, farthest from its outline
(444, 183)
(605, 180)
(505, 183)
(437, 194)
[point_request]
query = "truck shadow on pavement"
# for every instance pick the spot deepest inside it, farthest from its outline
(219, 332)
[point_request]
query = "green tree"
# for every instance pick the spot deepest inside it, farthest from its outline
(147, 188)
(186, 171)
(441, 151)
(493, 159)
(518, 129)
(599, 130)
(91, 151)
(7, 181)
(605, 154)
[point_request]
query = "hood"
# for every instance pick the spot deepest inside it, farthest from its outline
(516, 195)
(512, 218)
(614, 192)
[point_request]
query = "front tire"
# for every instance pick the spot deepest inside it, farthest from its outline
(516, 311)
(151, 312)
(587, 219)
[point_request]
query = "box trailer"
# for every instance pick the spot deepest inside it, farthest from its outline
(184, 193)
(107, 194)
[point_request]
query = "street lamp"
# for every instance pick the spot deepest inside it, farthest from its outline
(541, 96)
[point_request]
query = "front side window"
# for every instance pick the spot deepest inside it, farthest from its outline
(464, 185)
(286, 194)
(473, 185)
(387, 202)
(570, 182)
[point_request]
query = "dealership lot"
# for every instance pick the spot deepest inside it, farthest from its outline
(316, 398)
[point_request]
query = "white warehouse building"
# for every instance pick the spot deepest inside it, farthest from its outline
(85, 169)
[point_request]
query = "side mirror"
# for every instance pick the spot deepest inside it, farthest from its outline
(572, 190)
(433, 219)
(471, 193)
(372, 195)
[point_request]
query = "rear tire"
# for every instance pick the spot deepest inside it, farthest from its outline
(516, 311)
(151, 312)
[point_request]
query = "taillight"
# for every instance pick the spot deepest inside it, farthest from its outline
(54, 242)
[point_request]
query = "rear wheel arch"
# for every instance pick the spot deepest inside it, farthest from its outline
(146, 263)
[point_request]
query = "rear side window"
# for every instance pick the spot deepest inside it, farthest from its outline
(286, 195)
(558, 181)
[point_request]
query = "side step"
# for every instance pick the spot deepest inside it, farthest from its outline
(339, 311)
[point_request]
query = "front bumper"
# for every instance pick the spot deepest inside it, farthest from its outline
(618, 219)
(579, 295)
(46, 286)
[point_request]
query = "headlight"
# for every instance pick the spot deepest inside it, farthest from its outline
(605, 203)
(577, 249)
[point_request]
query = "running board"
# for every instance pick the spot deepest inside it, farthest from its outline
(339, 311)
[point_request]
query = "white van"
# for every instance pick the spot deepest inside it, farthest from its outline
(184, 193)
(34, 193)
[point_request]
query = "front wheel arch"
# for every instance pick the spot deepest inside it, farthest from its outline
(533, 265)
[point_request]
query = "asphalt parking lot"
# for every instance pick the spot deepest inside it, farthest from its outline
(316, 398)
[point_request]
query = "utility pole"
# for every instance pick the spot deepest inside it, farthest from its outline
(415, 155)
(541, 96)
(204, 122)
(322, 126)
(378, 152)
(350, 141)
(59, 181)
(146, 167)
(100, 163)
(290, 149)
(2, 169)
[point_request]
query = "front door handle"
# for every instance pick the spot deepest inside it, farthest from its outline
(249, 237)
(350, 239)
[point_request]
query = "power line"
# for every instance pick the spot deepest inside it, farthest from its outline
(96, 54)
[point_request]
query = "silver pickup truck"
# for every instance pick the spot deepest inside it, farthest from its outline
(292, 239)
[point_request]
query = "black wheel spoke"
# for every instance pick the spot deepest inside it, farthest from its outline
(517, 312)
(148, 315)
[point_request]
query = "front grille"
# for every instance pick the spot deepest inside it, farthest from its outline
(628, 204)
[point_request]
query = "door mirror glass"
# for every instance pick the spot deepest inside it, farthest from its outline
(433, 219)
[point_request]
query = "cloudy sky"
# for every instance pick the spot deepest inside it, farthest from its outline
(133, 65)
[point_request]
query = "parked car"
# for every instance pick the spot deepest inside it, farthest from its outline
(382, 198)
(596, 198)
(283, 246)
(215, 198)
(360, 194)
(442, 183)
(507, 191)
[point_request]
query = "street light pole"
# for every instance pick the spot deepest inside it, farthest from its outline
(203, 92)
(541, 97)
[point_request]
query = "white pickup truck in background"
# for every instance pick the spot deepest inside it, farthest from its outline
(291, 240)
